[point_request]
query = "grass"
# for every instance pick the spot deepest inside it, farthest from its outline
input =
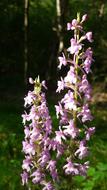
(11, 136)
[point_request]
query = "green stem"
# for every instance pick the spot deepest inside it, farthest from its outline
(76, 59)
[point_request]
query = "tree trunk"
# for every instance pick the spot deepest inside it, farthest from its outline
(26, 23)
(59, 26)
(58, 44)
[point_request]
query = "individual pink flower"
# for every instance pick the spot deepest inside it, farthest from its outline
(69, 102)
(83, 168)
(71, 77)
(84, 18)
(82, 151)
(29, 98)
(27, 163)
(61, 85)
(62, 61)
(85, 88)
(51, 165)
(70, 129)
(70, 168)
(24, 176)
(59, 110)
(27, 132)
(75, 47)
(85, 113)
(28, 148)
(45, 157)
(89, 36)
(88, 53)
(47, 186)
(38, 176)
(74, 25)
(43, 83)
(60, 135)
(31, 81)
(89, 132)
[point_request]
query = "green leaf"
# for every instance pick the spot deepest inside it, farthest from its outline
(91, 171)
(101, 166)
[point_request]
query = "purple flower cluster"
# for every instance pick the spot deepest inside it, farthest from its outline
(73, 108)
(44, 147)
(37, 130)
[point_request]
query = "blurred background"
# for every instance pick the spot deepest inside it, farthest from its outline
(32, 35)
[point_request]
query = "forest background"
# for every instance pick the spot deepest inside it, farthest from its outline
(32, 35)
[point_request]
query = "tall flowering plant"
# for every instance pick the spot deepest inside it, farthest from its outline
(47, 151)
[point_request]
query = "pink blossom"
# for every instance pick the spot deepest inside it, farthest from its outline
(48, 186)
(84, 18)
(85, 113)
(69, 102)
(28, 148)
(59, 110)
(25, 117)
(75, 47)
(24, 176)
(62, 61)
(88, 60)
(87, 64)
(88, 53)
(82, 151)
(35, 135)
(51, 165)
(45, 157)
(70, 168)
(61, 85)
(83, 168)
(59, 135)
(44, 84)
(85, 88)
(37, 176)
(27, 132)
(90, 131)
(31, 81)
(27, 163)
(89, 36)
(74, 25)
(71, 129)
(71, 77)
(29, 98)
